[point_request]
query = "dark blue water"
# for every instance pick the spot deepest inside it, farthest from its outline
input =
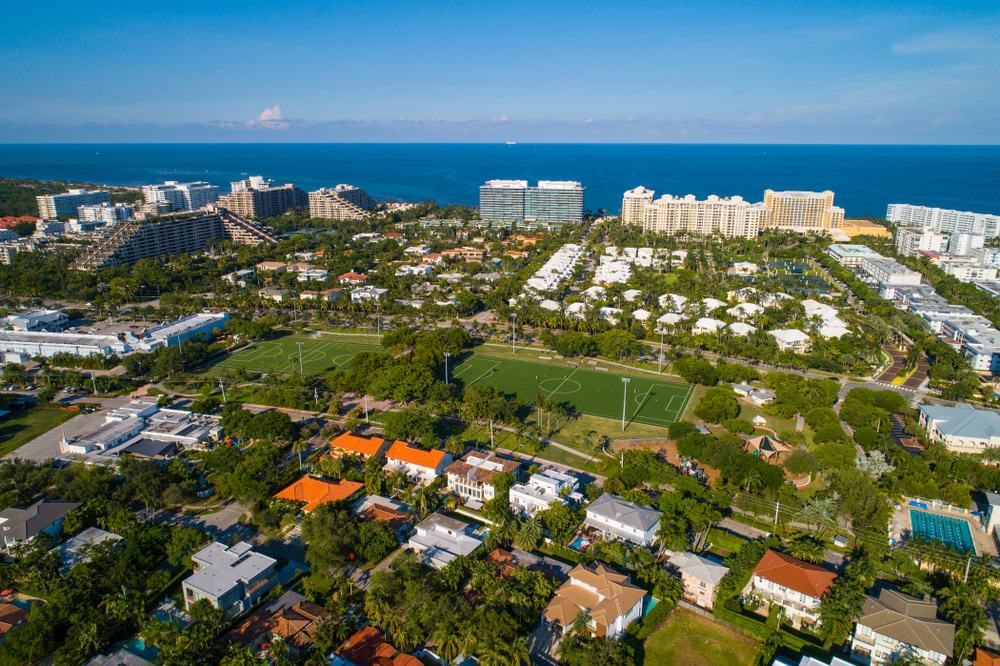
(864, 178)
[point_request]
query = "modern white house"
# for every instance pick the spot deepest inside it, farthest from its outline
(962, 428)
(617, 518)
(607, 597)
(796, 586)
(791, 339)
(440, 539)
(367, 293)
(894, 624)
(542, 489)
(231, 578)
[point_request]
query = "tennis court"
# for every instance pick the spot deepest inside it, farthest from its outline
(650, 400)
(282, 356)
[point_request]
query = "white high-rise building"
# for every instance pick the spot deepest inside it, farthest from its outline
(513, 201)
(802, 211)
(909, 240)
(53, 206)
(943, 219)
(105, 213)
(729, 217)
(181, 196)
(961, 245)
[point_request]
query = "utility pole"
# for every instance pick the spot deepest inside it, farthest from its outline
(366, 408)
(622, 462)
(222, 386)
(777, 505)
(625, 381)
(968, 563)
(300, 357)
(93, 382)
(492, 443)
(447, 355)
(659, 367)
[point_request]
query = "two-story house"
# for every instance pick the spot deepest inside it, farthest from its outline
(606, 596)
(471, 476)
(542, 489)
(231, 578)
(894, 624)
(796, 586)
(614, 517)
(40, 519)
(421, 465)
(700, 575)
(440, 539)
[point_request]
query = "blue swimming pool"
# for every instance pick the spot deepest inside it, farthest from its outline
(950, 531)
(579, 543)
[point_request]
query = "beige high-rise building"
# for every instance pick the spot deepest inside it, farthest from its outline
(634, 203)
(259, 198)
(729, 217)
(343, 202)
(802, 211)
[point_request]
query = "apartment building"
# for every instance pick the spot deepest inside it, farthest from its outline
(259, 198)
(805, 212)
(728, 217)
(173, 196)
(886, 272)
(850, 255)
(910, 240)
(105, 213)
(130, 241)
(943, 219)
(342, 202)
(894, 625)
(471, 477)
(52, 206)
(550, 202)
(962, 428)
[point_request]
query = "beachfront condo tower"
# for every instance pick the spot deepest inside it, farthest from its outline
(551, 202)
(805, 212)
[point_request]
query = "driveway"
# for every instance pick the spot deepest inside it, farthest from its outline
(543, 643)
(220, 525)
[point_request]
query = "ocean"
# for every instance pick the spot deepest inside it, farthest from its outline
(864, 178)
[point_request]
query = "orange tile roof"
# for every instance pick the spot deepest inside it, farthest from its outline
(420, 457)
(365, 446)
(369, 648)
(986, 658)
(315, 491)
(794, 574)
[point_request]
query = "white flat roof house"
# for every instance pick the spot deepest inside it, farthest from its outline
(231, 578)
(440, 539)
(38, 320)
(367, 293)
(617, 518)
(542, 489)
(791, 339)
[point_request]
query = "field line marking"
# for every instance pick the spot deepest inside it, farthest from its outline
(648, 393)
(486, 372)
(569, 376)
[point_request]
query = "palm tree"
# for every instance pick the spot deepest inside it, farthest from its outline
(449, 643)
(529, 535)
(299, 446)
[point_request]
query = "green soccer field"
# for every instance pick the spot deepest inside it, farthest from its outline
(646, 400)
(282, 356)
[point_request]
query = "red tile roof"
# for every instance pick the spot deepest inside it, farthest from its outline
(411, 454)
(369, 648)
(315, 492)
(365, 446)
(802, 577)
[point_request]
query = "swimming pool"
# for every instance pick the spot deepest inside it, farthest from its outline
(579, 543)
(950, 531)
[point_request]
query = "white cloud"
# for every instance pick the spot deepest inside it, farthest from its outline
(270, 118)
(500, 119)
(944, 42)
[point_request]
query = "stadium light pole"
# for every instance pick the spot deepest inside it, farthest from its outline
(447, 355)
(513, 332)
(659, 367)
(300, 357)
(625, 381)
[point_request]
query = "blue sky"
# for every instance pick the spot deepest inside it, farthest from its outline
(775, 72)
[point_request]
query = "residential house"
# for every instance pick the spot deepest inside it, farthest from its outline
(271, 267)
(700, 575)
(313, 275)
(231, 578)
(367, 293)
(325, 296)
(617, 518)
(377, 507)
(359, 445)
(466, 254)
(314, 491)
(76, 549)
(791, 339)
(41, 518)
(419, 464)
(984, 657)
(440, 539)
(290, 618)
(273, 294)
(607, 597)
(351, 277)
(962, 428)
(792, 584)
(368, 647)
(894, 624)
(542, 489)
(471, 476)
(515, 557)
(707, 325)
(11, 615)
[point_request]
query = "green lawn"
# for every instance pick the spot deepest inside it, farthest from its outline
(281, 356)
(688, 639)
(647, 399)
(21, 426)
